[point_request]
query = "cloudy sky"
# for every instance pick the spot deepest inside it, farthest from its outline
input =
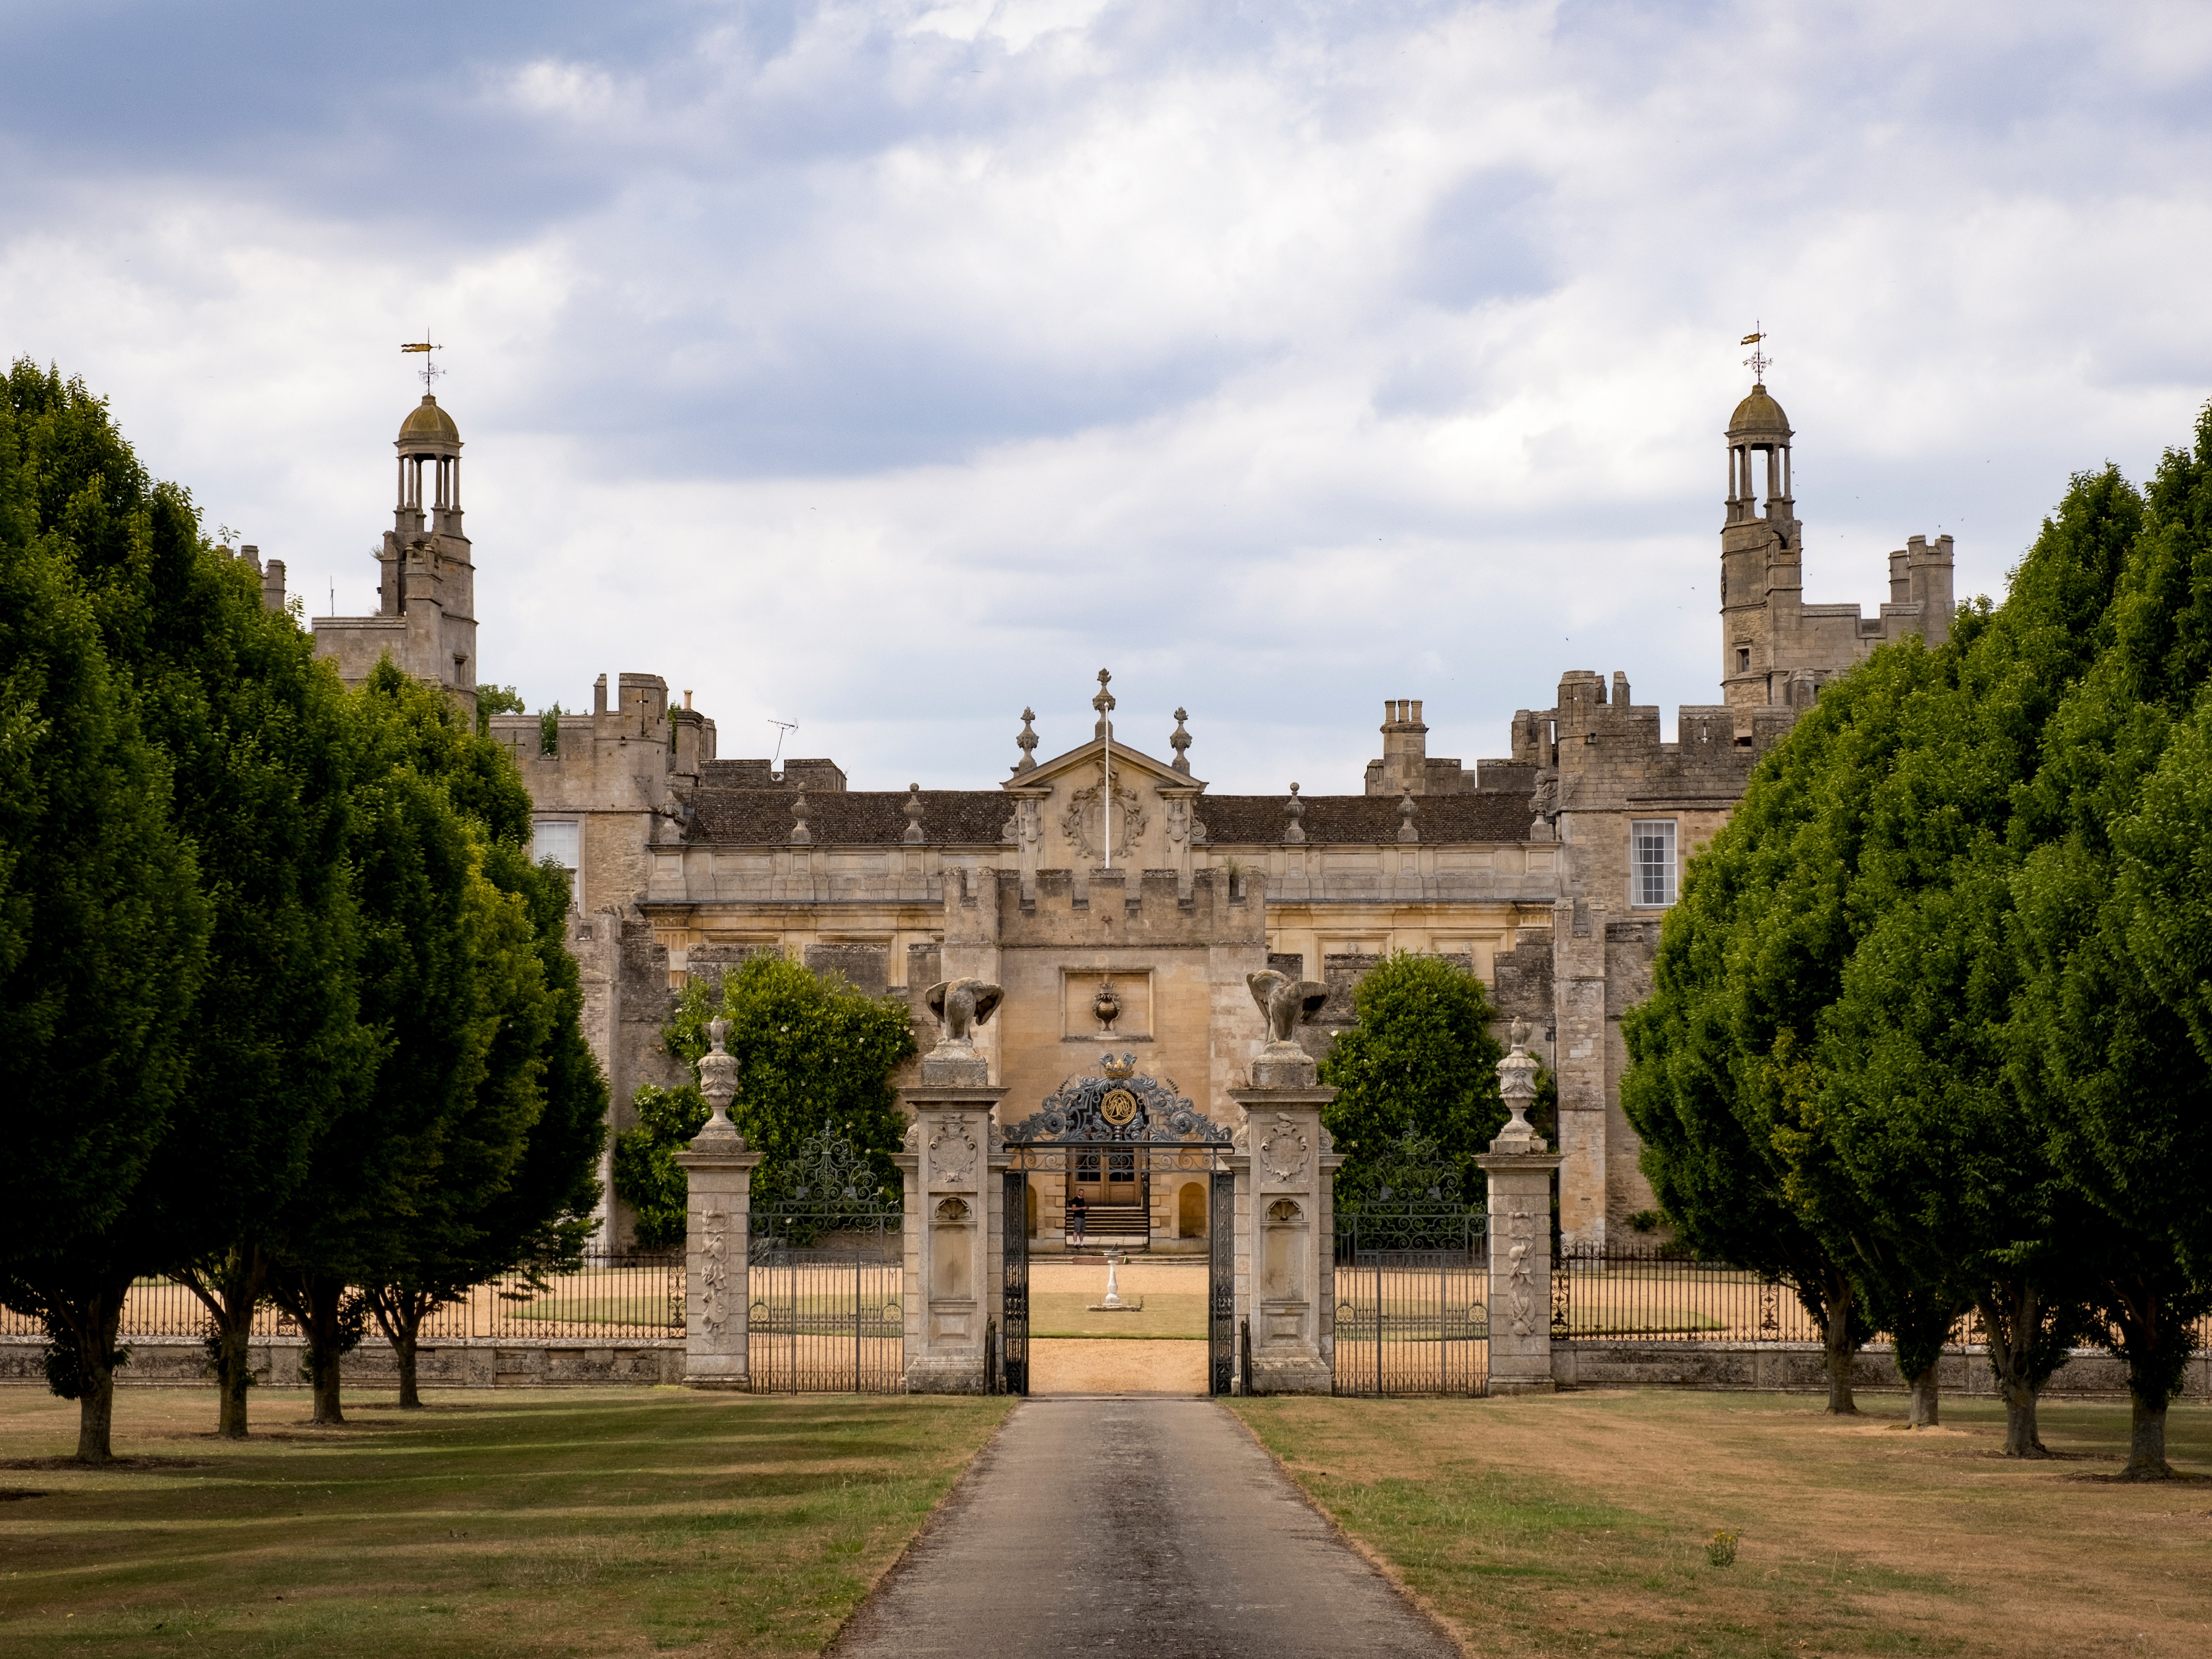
(887, 366)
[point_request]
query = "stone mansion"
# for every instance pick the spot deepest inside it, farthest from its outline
(1545, 871)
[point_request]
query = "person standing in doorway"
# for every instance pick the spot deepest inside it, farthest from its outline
(1079, 1209)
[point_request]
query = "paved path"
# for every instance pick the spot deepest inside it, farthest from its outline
(1138, 1529)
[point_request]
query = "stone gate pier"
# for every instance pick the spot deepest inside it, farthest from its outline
(1520, 1169)
(1286, 1170)
(955, 1200)
(718, 1235)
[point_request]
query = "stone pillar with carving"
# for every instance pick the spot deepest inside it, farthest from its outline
(1520, 1169)
(1286, 1208)
(953, 1162)
(719, 1170)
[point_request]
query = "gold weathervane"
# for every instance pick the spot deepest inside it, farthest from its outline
(1758, 362)
(430, 369)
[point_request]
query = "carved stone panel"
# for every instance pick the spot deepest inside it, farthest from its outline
(1285, 1152)
(953, 1155)
(714, 1270)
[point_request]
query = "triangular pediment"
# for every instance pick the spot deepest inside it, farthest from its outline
(1130, 765)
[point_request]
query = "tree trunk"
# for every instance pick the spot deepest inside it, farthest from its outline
(95, 1326)
(1841, 1353)
(2147, 1443)
(2012, 1325)
(410, 1399)
(1922, 1413)
(95, 1410)
(231, 1295)
(2021, 1437)
(325, 1344)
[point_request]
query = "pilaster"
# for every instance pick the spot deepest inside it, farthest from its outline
(1579, 993)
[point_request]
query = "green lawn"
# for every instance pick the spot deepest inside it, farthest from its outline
(1579, 1524)
(1165, 1314)
(522, 1522)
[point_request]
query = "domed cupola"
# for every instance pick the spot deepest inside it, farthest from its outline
(428, 434)
(1757, 418)
(425, 421)
(1759, 425)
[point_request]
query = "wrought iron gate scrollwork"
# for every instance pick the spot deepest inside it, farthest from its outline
(1119, 1113)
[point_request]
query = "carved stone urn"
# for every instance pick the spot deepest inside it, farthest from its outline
(1107, 1007)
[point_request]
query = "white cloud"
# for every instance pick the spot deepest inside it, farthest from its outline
(888, 367)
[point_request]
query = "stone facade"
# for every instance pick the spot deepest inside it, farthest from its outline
(1119, 902)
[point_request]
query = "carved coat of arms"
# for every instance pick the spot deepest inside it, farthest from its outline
(952, 1154)
(1284, 1151)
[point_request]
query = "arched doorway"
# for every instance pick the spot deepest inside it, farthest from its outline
(1190, 1211)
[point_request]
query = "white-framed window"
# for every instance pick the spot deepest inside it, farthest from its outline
(561, 839)
(1651, 861)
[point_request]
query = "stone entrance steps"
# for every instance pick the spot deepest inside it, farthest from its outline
(1118, 1221)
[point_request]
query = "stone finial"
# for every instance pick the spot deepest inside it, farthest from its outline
(1104, 702)
(960, 1004)
(914, 836)
(718, 1086)
(1406, 811)
(800, 835)
(1516, 1083)
(1294, 809)
(1179, 740)
(1027, 743)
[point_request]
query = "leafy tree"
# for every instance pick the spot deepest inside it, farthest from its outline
(497, 700)
(1418, 1060)
(516, 1178)
(812, 1054)
(1915, 1107)
(2108, 1028)
(447, 960)
(1748, 957)
(102, 928)
(251, 730)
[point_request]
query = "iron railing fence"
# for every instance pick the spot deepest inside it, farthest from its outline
(1630, 1295)
(616, 1298)
(1413, 1303)
(1627, 1295)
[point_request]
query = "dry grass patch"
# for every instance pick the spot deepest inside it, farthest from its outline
(600, 1521)
(1580, 1523)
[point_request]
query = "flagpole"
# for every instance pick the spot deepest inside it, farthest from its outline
(1104, 702)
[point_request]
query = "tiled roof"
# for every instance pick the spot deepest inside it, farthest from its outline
(1478, 815)
(978, 817)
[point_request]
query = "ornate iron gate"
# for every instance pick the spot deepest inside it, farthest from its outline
(1014, 1296)
(1412, 1279)
(1221, 1286)
(1116, 1113)
(825, 1264)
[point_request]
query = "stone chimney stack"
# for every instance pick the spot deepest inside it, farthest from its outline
(1405, 748)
